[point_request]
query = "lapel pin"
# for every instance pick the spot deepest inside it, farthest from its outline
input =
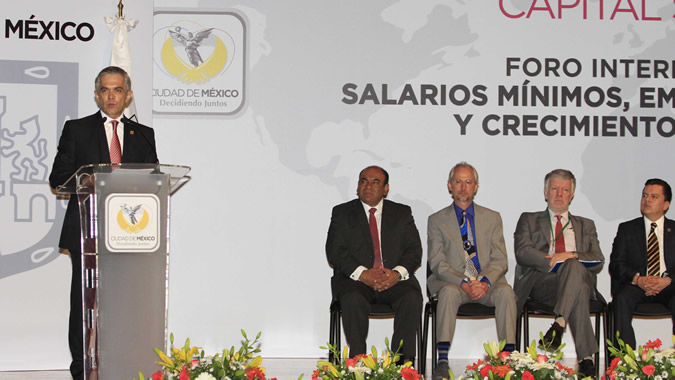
(668, 229)
(131, 132)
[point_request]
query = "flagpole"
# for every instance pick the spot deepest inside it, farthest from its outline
(120, 8)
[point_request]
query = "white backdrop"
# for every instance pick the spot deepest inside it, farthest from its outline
(248, 231)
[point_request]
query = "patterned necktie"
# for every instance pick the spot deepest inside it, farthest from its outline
(472, 264)
(560, 239)
(377, 262)
(653, 260)
(115, 146)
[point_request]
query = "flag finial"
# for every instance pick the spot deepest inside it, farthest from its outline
(120, 7)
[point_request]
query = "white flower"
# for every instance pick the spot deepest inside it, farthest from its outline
(360, 368)
(545, 365)
(205, 376)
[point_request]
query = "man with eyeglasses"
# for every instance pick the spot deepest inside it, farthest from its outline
(468, 263)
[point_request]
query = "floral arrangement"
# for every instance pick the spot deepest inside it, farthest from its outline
(515, 365)
(647, 362)
(189, 363)
(365, 367)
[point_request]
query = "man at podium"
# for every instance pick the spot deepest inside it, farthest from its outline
(107, 136)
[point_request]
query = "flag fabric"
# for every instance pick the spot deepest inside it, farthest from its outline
(121, 54)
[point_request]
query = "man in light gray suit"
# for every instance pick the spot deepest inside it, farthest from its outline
(467, 258)
(550, 247)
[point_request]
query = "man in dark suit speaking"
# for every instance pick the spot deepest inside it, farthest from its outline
(104, 137)
(374, 248)
(643, 259)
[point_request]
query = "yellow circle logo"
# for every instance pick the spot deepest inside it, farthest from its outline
(190, 66)
(133, 224)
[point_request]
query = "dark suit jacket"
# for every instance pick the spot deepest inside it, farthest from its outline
(629, 252)
(532, 241)
(83, 142)
(349, 243)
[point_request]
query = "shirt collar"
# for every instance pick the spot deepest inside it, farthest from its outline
(469, 210)
(377, 206)
(659, 222)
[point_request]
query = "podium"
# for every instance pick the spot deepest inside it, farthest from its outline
(124, 217)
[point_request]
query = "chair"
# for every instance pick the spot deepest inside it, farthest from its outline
(378, 311)
(466, 311)
(597, 307)
(644, 310)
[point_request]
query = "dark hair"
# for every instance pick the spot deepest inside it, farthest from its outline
(112, 70)
(667, 192)
(386, 175)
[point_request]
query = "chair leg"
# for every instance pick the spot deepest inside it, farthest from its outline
(425, 340)
(597, 340)
(434, 347)
(519, 325)
(420, 341)
(526, 326)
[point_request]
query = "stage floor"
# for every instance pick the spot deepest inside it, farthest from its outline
(282, 369)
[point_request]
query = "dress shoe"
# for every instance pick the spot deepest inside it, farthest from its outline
(586, 368)
(441, 371)
(551, 342)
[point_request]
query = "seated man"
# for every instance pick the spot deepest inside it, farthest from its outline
(550, 246)
(467, 257)
(643, 259)
(374, 249)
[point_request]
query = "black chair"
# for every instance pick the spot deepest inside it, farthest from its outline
(598, 307)
(378, 311)
(466, 311)
(644, 310)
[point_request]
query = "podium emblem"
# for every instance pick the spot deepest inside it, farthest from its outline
(132, 223)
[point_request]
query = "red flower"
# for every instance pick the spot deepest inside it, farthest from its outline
(527, 375)
(255, 373)
(613, 365)
(561, 367)
(184, 374)
(410, 374)
(315, 374)
(504, 355)
(351, 362)
(158, 375)
(485, 371)
(648, 370)
(475, 365)
(653, 344)
(542, 358)
(502, 370)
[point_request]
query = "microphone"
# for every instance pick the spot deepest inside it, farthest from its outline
(130, 122)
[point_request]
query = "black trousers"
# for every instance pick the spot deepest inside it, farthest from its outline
(356, 302)
(626, 302)
(75, 336)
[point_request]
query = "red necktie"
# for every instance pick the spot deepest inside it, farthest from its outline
(560, 239)
(377, 262)
(115, 146)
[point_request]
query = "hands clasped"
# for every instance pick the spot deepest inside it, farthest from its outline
(475, 289)
(379, 279)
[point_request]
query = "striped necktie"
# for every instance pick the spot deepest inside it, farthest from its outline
(653, 260)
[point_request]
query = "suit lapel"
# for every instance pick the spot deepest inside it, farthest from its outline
(578, 232)
(641, 239)
(360, 222)
(452, 228)
(481, 246)
(104, 150)
(669, 242)
(545, 225)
